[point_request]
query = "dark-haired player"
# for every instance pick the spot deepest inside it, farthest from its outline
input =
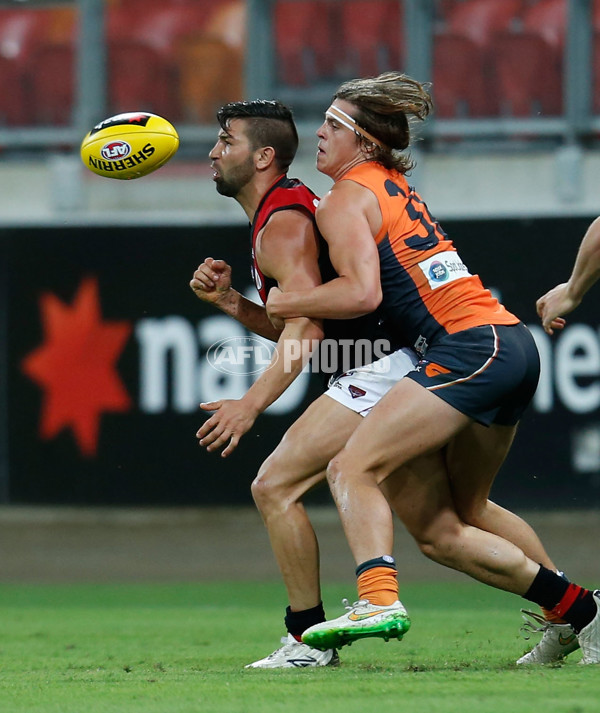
(256, 144)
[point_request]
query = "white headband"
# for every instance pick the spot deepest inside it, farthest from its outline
(334, 112)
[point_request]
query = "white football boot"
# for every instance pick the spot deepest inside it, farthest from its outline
(362, 620)
(558, 640)
(589, 636)
(295, 654)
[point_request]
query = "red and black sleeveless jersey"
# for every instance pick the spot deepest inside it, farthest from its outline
(285, 194)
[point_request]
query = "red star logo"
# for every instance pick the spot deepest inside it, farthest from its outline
(76, 366)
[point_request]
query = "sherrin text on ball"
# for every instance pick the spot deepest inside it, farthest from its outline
(129, 145)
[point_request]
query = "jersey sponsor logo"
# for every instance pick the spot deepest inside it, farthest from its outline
(443, 268)
(433, 369)
(356, 392)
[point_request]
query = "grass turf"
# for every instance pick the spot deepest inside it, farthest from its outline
(181, 649)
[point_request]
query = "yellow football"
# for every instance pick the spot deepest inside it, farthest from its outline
(129, 145)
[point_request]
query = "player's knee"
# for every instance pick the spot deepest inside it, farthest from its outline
(263, 488)
(335, 471)
(271, 487)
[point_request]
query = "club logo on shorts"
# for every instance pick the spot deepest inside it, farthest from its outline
(432, 370)
(115, 150)
(356, 392)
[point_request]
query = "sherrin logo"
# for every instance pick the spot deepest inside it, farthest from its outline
(119, 163)
(115, 150)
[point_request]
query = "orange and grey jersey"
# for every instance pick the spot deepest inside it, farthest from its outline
(428, 291)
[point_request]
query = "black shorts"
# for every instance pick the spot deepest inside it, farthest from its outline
(489, 373)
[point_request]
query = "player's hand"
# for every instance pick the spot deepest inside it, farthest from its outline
(552, 305)
(272, 306)
(230, 420)
(212, 280)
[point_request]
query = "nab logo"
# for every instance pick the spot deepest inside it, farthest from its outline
(438, 271)
(115, 150)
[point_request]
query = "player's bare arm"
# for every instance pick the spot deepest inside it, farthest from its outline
(212, 283)
(564, 298)
(347, 218)
(286, 251)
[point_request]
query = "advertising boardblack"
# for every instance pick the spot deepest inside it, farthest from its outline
(106, 357)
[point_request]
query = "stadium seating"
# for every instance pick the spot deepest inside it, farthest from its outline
(139, 80)
(51, 74)
(461, 85)
(480, 19)
(142, 44)
(526, 62)
(211, 64)
(303, 42)
(20, 32)
(547, 18)
(13, 102)
(157, 24)
(372, 37)
(527, 75)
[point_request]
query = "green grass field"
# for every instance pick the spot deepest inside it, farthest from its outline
(181, 648)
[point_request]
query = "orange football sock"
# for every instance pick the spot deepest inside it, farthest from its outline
(379, 585)
(550, 616)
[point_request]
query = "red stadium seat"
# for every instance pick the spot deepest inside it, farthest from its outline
(303, 41)
(527, 63)
(140, 80)
(596, 57)
(372, 36)
(460, 86)
(52, 76)
(210, 65)
(480, 19)
(157, 24)
(547, 18)
(461, 78)
(14, 106)
(443, 8)
(527, 75)
(20, 31)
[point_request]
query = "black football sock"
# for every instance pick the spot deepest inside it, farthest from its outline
(572, 603)
(297, 622)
